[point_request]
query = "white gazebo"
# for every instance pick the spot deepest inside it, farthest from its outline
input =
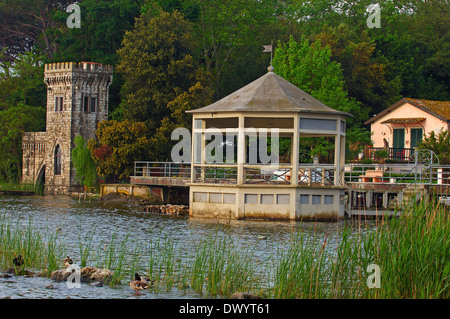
(236, 171)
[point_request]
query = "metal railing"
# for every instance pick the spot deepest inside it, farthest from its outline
(216, 174)
(307, 175)
(397, 174)
(256, 174)
(393, 153)
(162, 169)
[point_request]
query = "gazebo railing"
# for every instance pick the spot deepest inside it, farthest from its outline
(215, 174)
(255, 174)
(316, 175)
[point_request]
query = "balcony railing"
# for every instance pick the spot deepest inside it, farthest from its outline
(394, 153)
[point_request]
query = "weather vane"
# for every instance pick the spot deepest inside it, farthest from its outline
(269, 48)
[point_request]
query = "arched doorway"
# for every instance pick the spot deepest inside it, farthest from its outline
(40, 182)
(57, 160)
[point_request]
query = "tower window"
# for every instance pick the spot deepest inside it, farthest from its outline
(89, 104)
(59, 101)
(93, 104)
(86, 104)
(57, 160)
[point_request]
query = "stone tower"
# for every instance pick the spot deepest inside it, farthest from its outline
(77, 100)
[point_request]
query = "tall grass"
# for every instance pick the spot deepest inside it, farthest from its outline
(40, 251)
(221, 268)
(412, 252)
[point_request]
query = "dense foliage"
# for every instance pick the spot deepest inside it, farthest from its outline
(174, 55)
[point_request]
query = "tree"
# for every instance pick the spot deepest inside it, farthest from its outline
(103, 25)
(22, 109)
(161, 80)
(156, 63)
(28, 25)
(21, 81)
(439, 144)
(15, 121)
(83, 163)
(311, 68)
(119, 145)
(364, 74)
(224, 28)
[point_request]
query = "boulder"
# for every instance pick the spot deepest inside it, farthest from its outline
(87, 275)
(242, 295)
(102, 275)
(60, 274)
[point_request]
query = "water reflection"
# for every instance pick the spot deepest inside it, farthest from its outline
(98, 222)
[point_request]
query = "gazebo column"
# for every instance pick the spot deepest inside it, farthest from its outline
(295, 151)
(342, 161)
(241, 152)
(337, 158)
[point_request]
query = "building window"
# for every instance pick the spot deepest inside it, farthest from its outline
(251, 198)
(86, 104)
(200, 197)
(416, 136)
(304, 199)
(283, 199)
(89, 104)
(328, 200)
(93, 104)
(266, 199)
(57, 160)
(59, 101)
(316, 199)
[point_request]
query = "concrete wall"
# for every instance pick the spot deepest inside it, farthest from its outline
(268, 203)
(125, 189)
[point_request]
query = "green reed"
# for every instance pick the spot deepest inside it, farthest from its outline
(41, 252)
(221, 268)
(412, 252)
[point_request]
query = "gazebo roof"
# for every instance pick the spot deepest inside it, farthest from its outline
(269, 93)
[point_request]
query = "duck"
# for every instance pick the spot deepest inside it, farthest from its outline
(67, 261)
(138, 283)
(18, 261)
(149, 281)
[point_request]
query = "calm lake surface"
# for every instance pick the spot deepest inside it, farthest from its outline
(103, 220)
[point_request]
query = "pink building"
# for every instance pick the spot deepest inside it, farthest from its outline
(401, 127)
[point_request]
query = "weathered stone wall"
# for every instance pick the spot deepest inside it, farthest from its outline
(69, 87)
(33, 149)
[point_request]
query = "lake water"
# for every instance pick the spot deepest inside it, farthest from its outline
(103, 220)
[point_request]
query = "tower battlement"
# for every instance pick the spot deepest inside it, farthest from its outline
(78, 66)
